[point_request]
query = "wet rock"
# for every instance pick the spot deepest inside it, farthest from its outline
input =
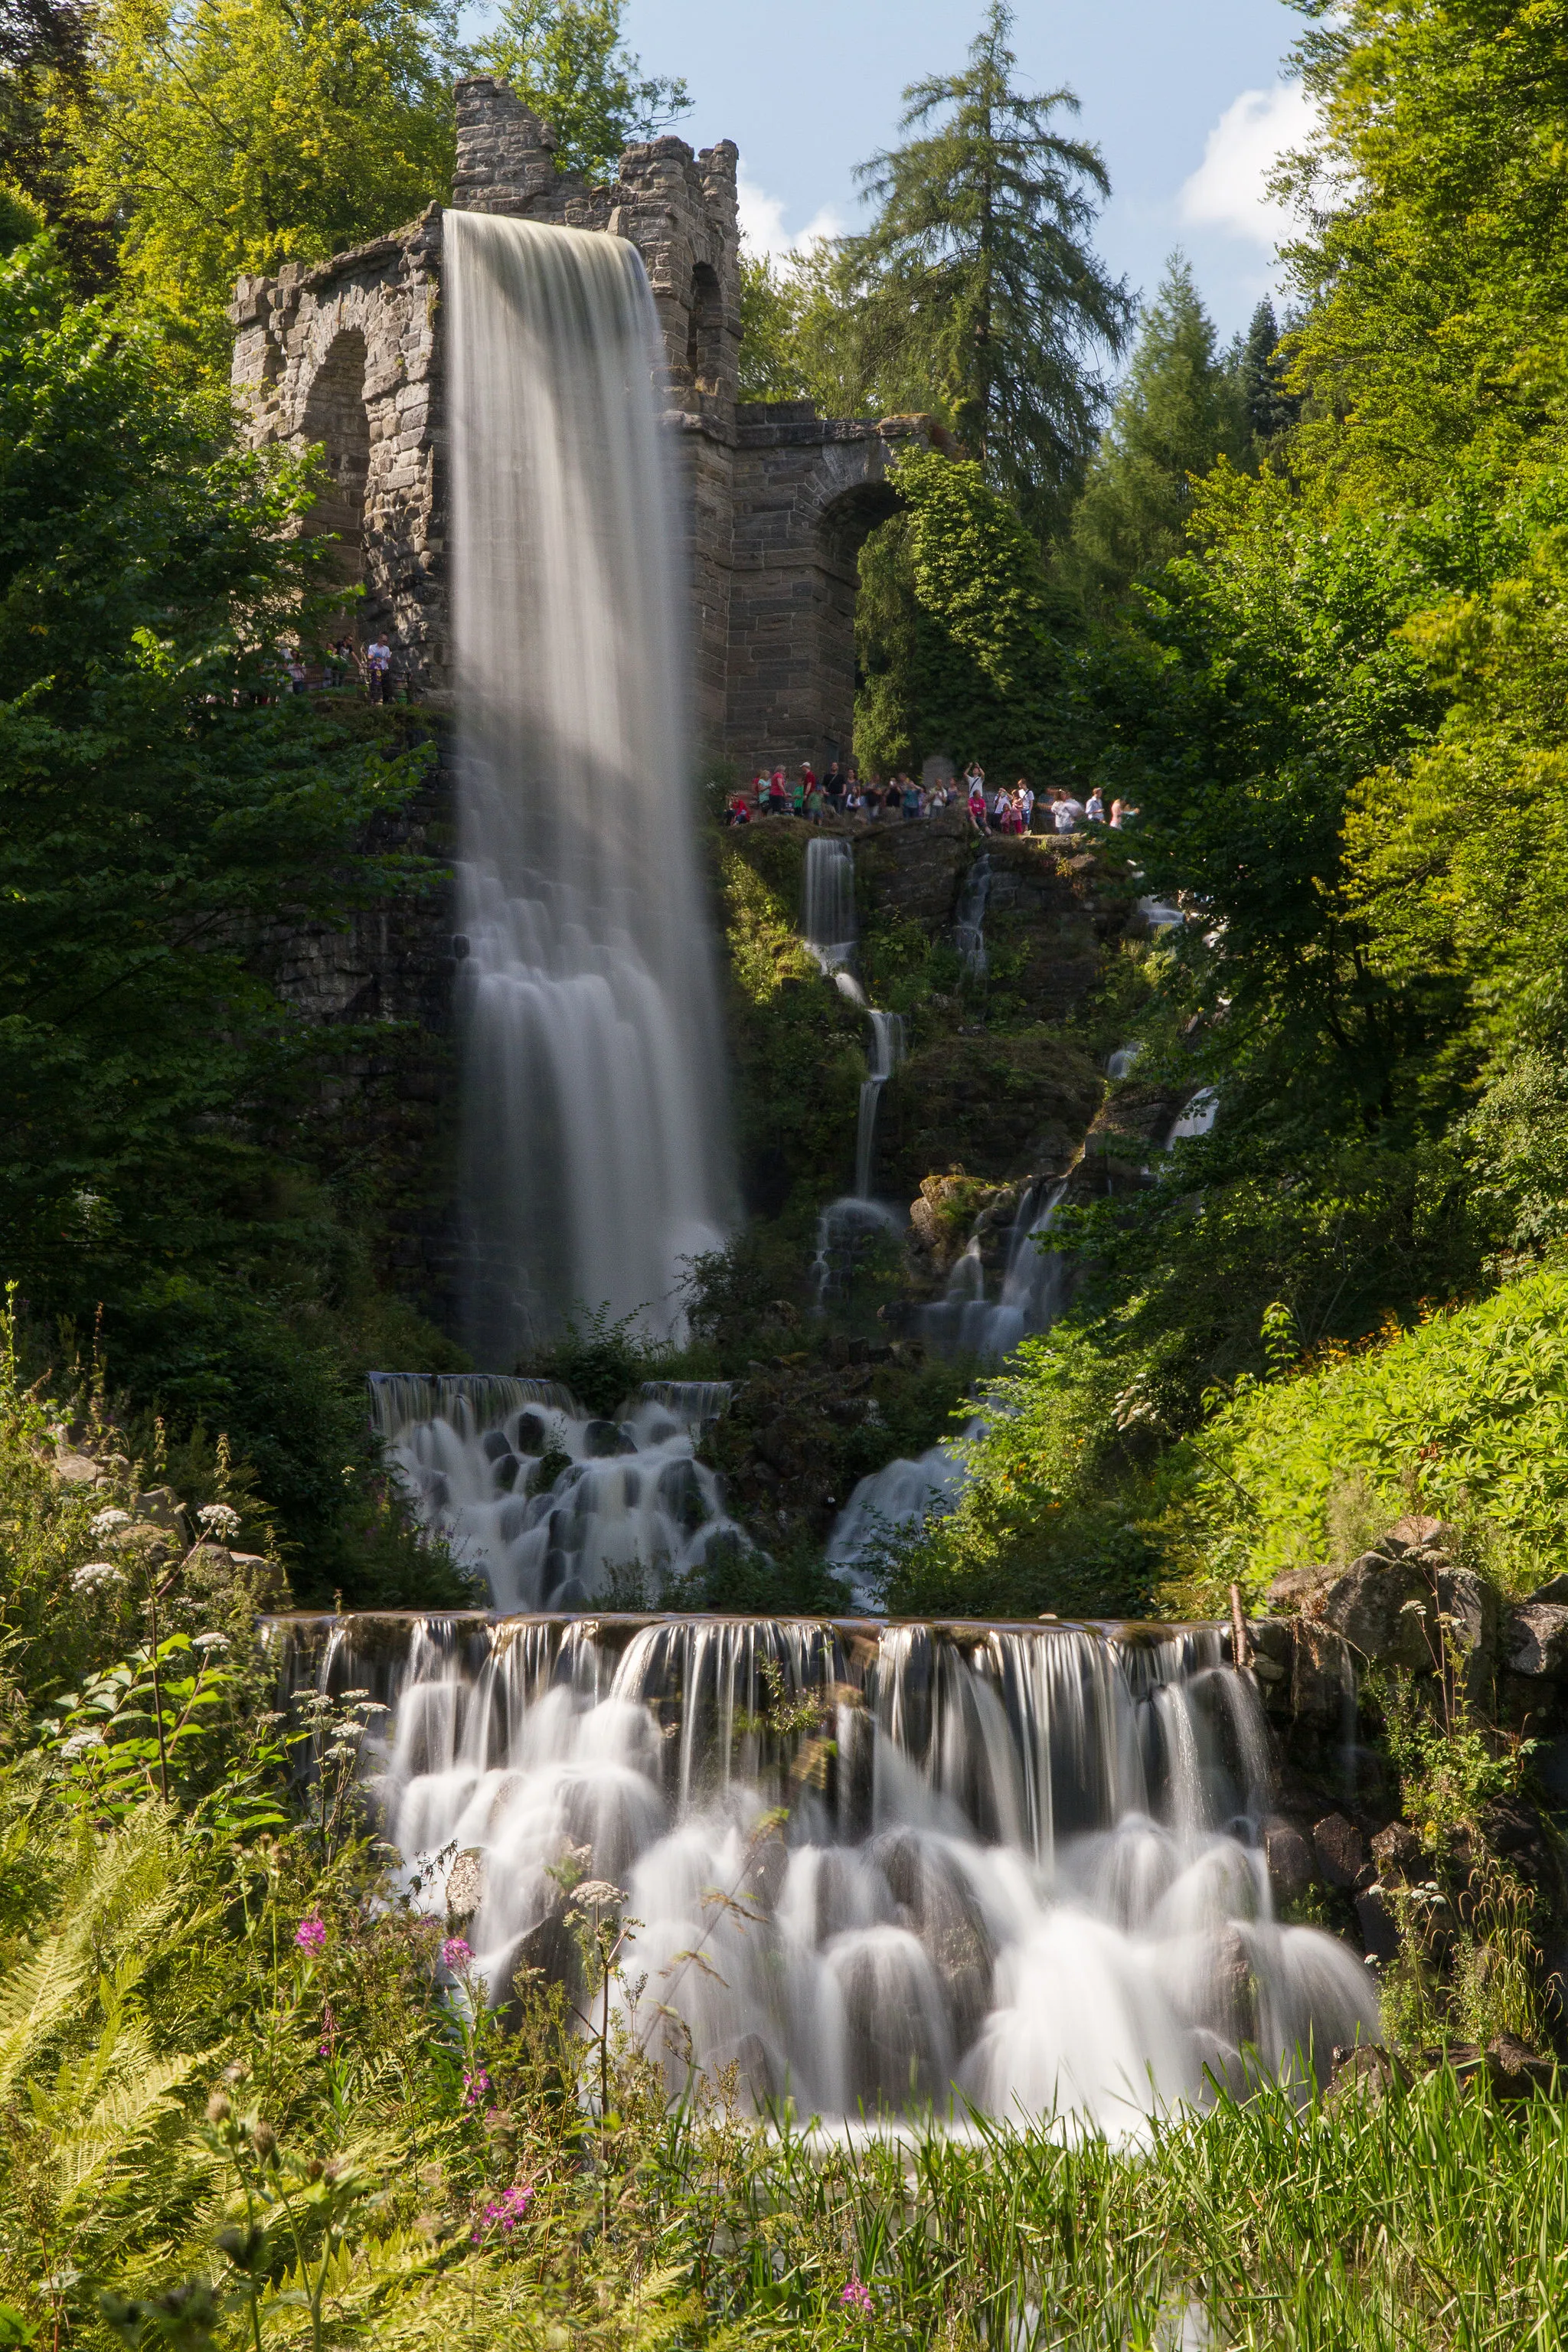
(532, 1433)
(1291, 1868)
(1322, 1679)
(1340, 1850)
(1383, 1609)
(1379, 1927)
(494, 1443)
(1535, 1639)
(601, 1439)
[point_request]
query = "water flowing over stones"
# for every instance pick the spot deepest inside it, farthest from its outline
(624, 1506)
(593, 1154)
(919, 1866)
(1034, 1286)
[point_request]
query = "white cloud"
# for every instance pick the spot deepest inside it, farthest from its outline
(762, 221)
(1229, 190)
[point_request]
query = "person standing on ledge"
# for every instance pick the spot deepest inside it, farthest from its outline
(832, 789)
(378, 668)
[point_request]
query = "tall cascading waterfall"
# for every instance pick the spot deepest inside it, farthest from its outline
(827, 923)
(593, 1150)
(921, 1866)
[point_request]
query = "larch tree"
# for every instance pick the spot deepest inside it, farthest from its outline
(976, 291)
(1180, 410)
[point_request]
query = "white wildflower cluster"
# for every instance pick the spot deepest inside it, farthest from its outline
(105, 1522)
(95, 1576)
(79, 1743)
(210, 1642)
(219, 1519)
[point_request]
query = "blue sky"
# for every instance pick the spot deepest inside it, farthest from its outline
(1186, 98)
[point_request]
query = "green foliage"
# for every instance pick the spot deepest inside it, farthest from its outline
(1433, 278)
(1477, 1396)
(1179, 410)
(1270, 409)
(603, 1363)
(568, 60)
(238, 134)
(163, 811)
(974, 290)
(954, 627)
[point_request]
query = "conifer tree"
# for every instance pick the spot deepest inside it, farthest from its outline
(976, 291)
(1271, 408)
(1180, 409)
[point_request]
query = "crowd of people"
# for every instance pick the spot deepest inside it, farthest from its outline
(343, 664)
(839, 792)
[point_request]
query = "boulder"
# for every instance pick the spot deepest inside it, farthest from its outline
(1340, 1850)
(1384, 1610)
(1291, 1868)
(1379, 1927)
(161, 1505)
(1555, 1589)
(75, 1469)
(1298, 1587)
(1470, 1607)
(1416, 1533)
(1535, 1639)
(1368, 2072)
(1322, 1679)
(1400, 1856)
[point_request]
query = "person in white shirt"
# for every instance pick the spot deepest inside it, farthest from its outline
(1061, 813)
(1027, 802)
(1094, 808)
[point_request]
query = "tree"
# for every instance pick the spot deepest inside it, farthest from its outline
(161, 812)
(1179, 410)
(1433, 278)
(954, 627)
(1271, 407)
(232, 135)
(567, 59)
(975, 290)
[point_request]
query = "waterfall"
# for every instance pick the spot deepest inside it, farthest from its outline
(594, 1147)
(921, 1866)
(828, 901)
(964, 1322)
(625, 1505)
(969, 917)
(887, 1053)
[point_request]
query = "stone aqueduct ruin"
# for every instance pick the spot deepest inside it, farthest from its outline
(349, 353)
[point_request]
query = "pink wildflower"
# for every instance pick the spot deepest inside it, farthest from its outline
(506, 2212)
(310, 1935)
(456, 1953)
(329, 2031)
(857, 2297)
(475, 2083)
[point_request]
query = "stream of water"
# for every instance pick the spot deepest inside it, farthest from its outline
(923, 1868)
(595, 1155)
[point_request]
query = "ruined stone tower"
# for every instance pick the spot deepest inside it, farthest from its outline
(348, 353)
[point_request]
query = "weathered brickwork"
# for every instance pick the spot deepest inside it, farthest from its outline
(775, 499)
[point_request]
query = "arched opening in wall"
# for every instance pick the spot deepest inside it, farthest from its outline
(335, 416)
(857, 520)
(704, 330)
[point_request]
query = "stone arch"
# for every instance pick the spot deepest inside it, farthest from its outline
(705, 331)
(334, 413)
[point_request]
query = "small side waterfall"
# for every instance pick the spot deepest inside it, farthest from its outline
(969, 917)
(964, 1322)
(593, 1150)
(828, 901)
(887, 1053)
(922, 1865)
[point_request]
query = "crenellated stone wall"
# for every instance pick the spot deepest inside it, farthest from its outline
(776, 500)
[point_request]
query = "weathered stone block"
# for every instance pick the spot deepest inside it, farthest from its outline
(1535, 1640)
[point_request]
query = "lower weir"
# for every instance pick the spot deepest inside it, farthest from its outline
(880, 1871)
